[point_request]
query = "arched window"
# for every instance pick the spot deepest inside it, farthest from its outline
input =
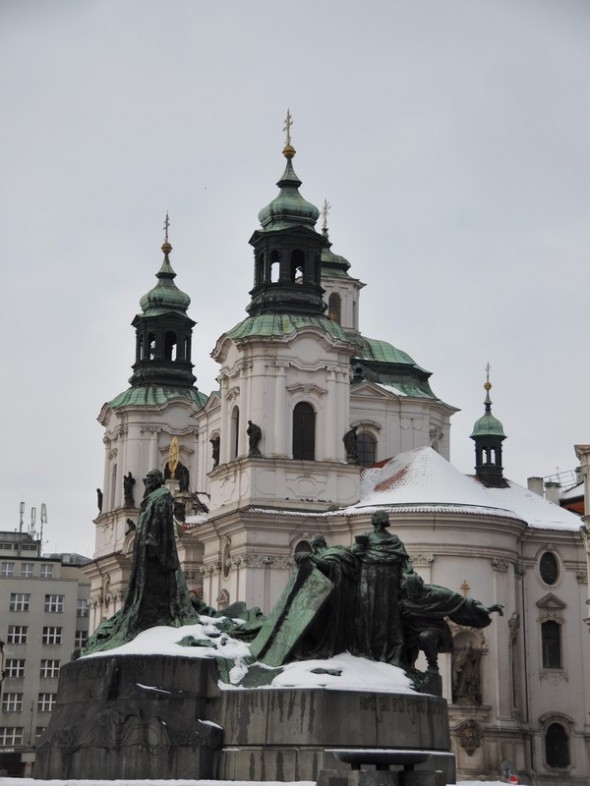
(334, 307)
(225, 561)
(140, 349)
(549, 568)
(151, 346)
(557, 748)
(234, 433)
(551, 644)
(170, 345)
(297, 265)
(259, 270)
(304, 432)
(275, 269)
(303, 547)
(366, 446)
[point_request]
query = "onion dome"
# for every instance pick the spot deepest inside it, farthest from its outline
(289, 208)
(488, 425)
(165, 296)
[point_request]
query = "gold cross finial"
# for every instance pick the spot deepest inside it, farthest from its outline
(488, 384)
(287, 128)
(465, 587)
(326, 207)
(166, 225)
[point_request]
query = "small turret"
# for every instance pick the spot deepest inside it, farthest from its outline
(488, 435)
(163, 331)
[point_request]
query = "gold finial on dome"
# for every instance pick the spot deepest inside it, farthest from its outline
(166, 247)
(488, 384)
(288, 150)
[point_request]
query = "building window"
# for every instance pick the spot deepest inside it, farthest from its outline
(39, 731)
(334, 307)
(49, 668)
(17, 634)
(80, 639)
(46, 571)
(12, 702)
(366, 446)
(27, 569)
(557, 749)
(19, 601)
(54, 604)
(11, 736)
(51, 635)
(225, 561)
(82, 608)
(45, 702)
(304, 432)
(6, 569)
(551, 644)
(15, 668)
(549, 568)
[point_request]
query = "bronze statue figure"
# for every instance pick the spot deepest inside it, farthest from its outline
(254, 433)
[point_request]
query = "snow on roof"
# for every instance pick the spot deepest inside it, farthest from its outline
(421, 480)
(576, 492)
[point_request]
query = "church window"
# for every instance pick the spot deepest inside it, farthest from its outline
(297, 265)
(557, 753)
(151, 340)
(140, 349)
(303, 547)
(334, 307)
(234, 432)
(366, 446)
(304, 432)
(259, 270)
(549, 568)
(551, 644)
(274, 267)
(170, 345)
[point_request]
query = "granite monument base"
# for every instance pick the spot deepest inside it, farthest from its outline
(284, 734)
(132, 716)
(163, 717)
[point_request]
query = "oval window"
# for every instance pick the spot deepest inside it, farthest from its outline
(549, 568)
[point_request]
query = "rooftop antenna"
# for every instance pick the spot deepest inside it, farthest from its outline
(33, 518)
(43, 521)
(21, 509)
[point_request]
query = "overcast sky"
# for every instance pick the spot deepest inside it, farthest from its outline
(451, 138)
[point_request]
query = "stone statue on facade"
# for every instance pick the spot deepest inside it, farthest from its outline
(466, 676)
(215, 445)
(254, 433)
(128, 484)
(350, 440)
(99, 499)
(157, 592)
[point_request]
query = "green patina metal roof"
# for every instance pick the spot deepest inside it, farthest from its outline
(488, 425)
(284, 325)
(156, 395)
(381, 351)
(165, 296)
(289, 208)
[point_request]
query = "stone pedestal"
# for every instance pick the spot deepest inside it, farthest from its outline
(272, 734)
(132, 717)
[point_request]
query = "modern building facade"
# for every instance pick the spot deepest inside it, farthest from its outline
(44, 603)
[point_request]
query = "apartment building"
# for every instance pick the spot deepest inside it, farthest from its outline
(43, 621)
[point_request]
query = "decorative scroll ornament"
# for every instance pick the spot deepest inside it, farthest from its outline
(470, 735)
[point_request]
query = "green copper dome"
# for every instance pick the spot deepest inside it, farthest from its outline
(289, 208)
(165, 296)
(488, 425)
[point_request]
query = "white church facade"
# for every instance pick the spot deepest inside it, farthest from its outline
(314, 427)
